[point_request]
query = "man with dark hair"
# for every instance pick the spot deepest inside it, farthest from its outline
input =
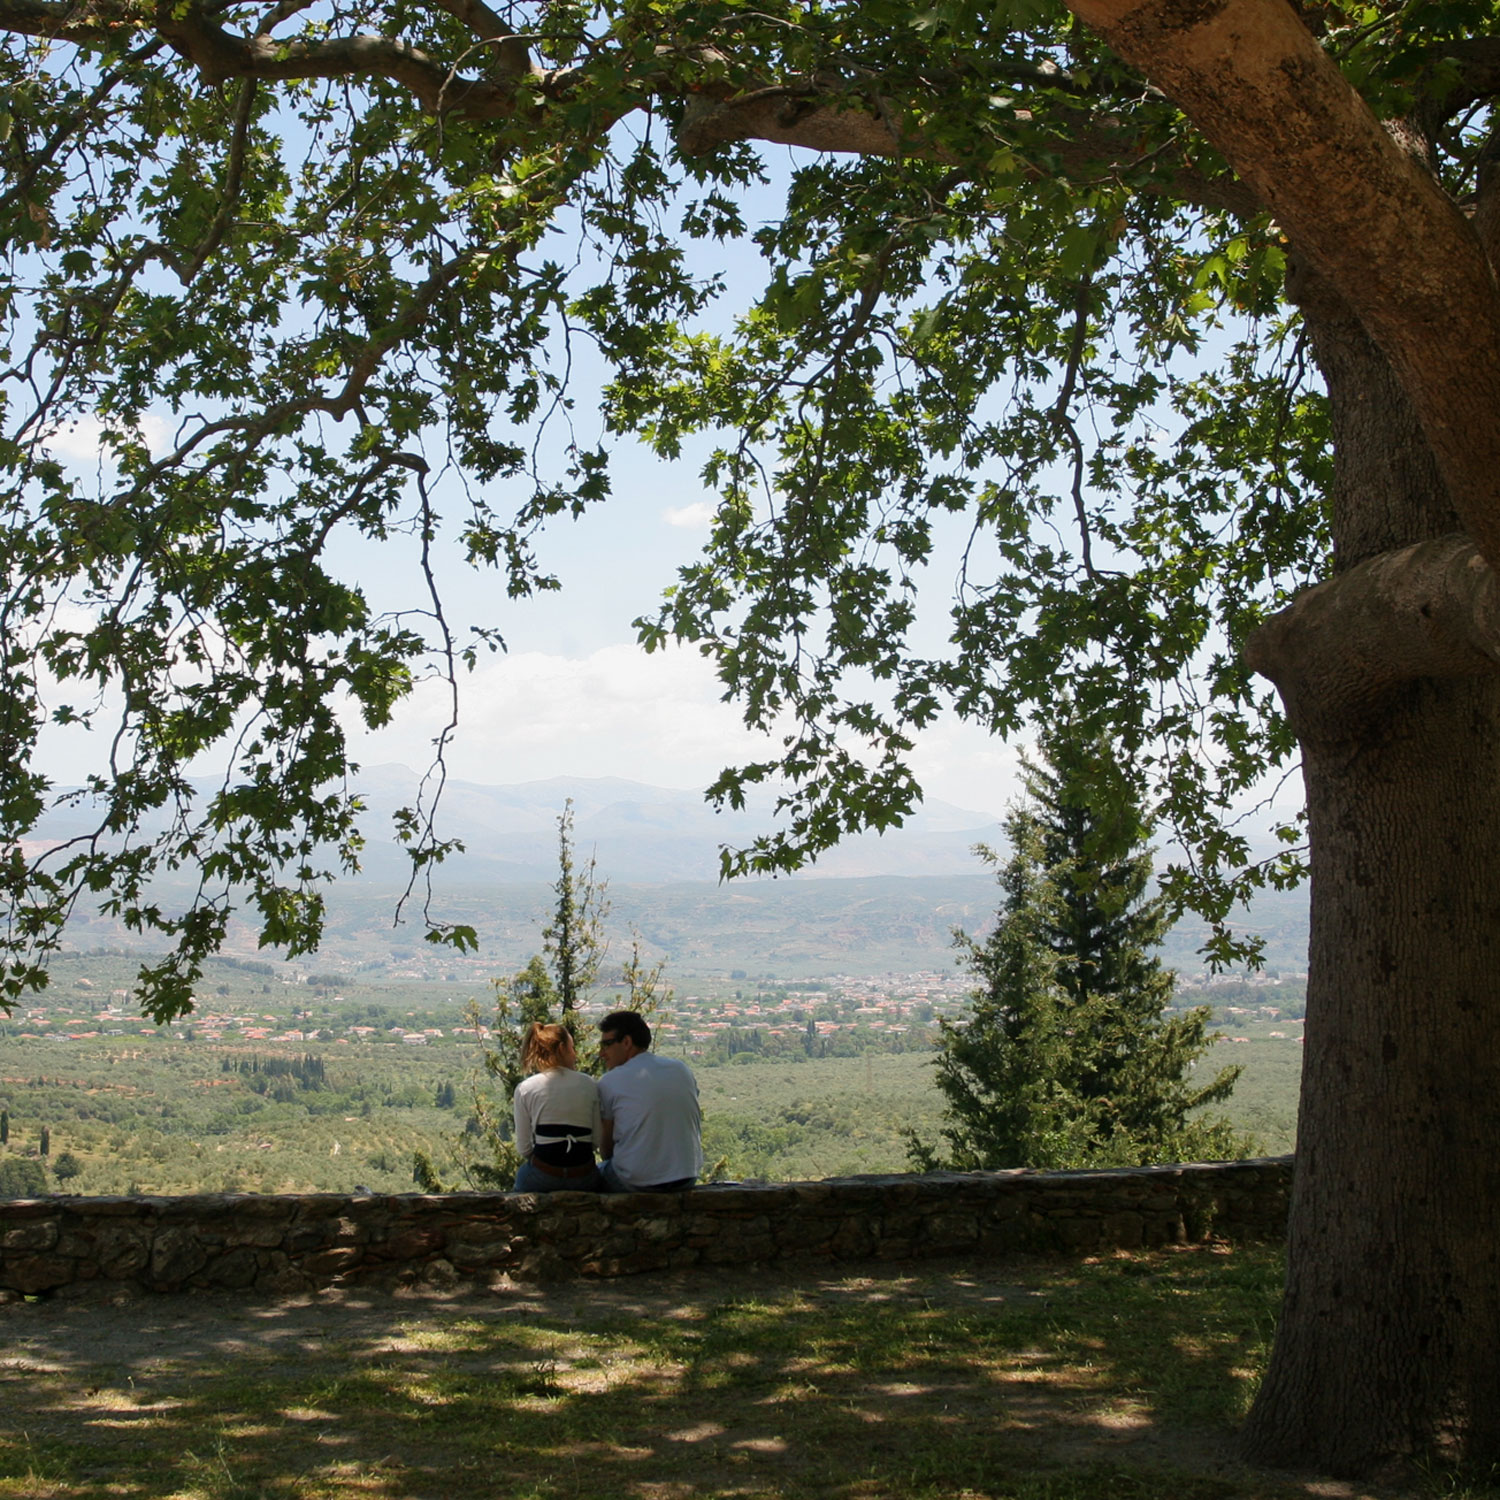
(652, 1124)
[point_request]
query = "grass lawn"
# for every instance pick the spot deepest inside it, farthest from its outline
(1116, 1379)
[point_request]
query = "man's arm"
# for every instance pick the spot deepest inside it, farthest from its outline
(606, 1139)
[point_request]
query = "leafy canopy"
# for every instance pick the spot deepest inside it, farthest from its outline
(1016, 407)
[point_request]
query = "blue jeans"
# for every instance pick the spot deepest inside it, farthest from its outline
(610, 1183)
(530, 1180)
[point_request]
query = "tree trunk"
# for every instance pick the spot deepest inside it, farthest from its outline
(1388, 1345)
(1388, 1339)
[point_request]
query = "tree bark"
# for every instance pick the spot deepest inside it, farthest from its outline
(1386, 1345)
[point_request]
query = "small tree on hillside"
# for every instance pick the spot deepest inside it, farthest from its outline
(1068, 1057)
(22, 1177)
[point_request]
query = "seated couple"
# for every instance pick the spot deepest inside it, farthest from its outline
(642, 1116)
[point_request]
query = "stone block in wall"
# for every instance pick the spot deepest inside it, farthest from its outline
(303, 1239)
(199, 1208)
(35, 1234)
(657, 1230)
(76, 1244)
(497, 1226)
(558, 1226)
(619, 1241)
(803, 1232)
(1070, 1232)
(1009, 1237)
(440, 1274)
(257, 1234)
(810, 1194)
(285, 1280)
(738, 1252)
(542, 1263)
(246, 1207)
(856, 1236)
(232, 1272)
(122, 1249)
(958, 1230)
(728, 1200)
(34, 1274)
(334, 1261)
(482, 1254)
(175, 1254)
(1125, 1231)
(326, 1229)
(859, 1194)
(1006, 1209)
(1163, 1229)
(409, 1243)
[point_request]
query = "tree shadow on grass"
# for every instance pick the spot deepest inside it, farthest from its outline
(1115, 1379)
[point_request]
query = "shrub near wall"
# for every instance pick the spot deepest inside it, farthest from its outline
(302, 1242)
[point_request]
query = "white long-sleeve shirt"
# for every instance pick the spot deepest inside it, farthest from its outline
(558, 1096)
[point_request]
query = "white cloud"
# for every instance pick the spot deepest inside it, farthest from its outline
(618, 711)
(79, 441)
(654, 718)
(698, 515)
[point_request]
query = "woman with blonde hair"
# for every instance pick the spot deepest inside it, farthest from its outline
(557, 1115)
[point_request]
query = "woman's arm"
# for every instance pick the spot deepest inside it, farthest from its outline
(525, 1122)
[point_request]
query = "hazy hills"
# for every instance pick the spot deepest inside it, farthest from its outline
(644, 833)
(872, 905)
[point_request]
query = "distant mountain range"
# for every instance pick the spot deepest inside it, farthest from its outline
(643, 833)
(638, 833)
(872, 904)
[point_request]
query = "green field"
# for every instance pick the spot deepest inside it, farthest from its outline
(163, 1115)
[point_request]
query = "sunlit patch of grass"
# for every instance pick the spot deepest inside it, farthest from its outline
(895, 1389)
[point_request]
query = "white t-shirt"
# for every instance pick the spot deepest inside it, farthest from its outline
(557, 1096)
(653, 1102)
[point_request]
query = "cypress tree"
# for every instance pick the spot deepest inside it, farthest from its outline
(1068, 1056)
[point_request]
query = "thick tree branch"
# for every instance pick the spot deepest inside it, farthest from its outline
(1431, 610)
(221, 55)
(813, 113)
(798, 113)
(513, 53)
(1376, 224)
(787, 115)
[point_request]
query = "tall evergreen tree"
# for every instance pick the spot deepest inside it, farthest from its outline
(1068, 1056)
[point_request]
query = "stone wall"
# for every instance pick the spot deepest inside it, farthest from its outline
(293, 1242)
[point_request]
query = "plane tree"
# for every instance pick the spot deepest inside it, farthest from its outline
(1178, 323)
